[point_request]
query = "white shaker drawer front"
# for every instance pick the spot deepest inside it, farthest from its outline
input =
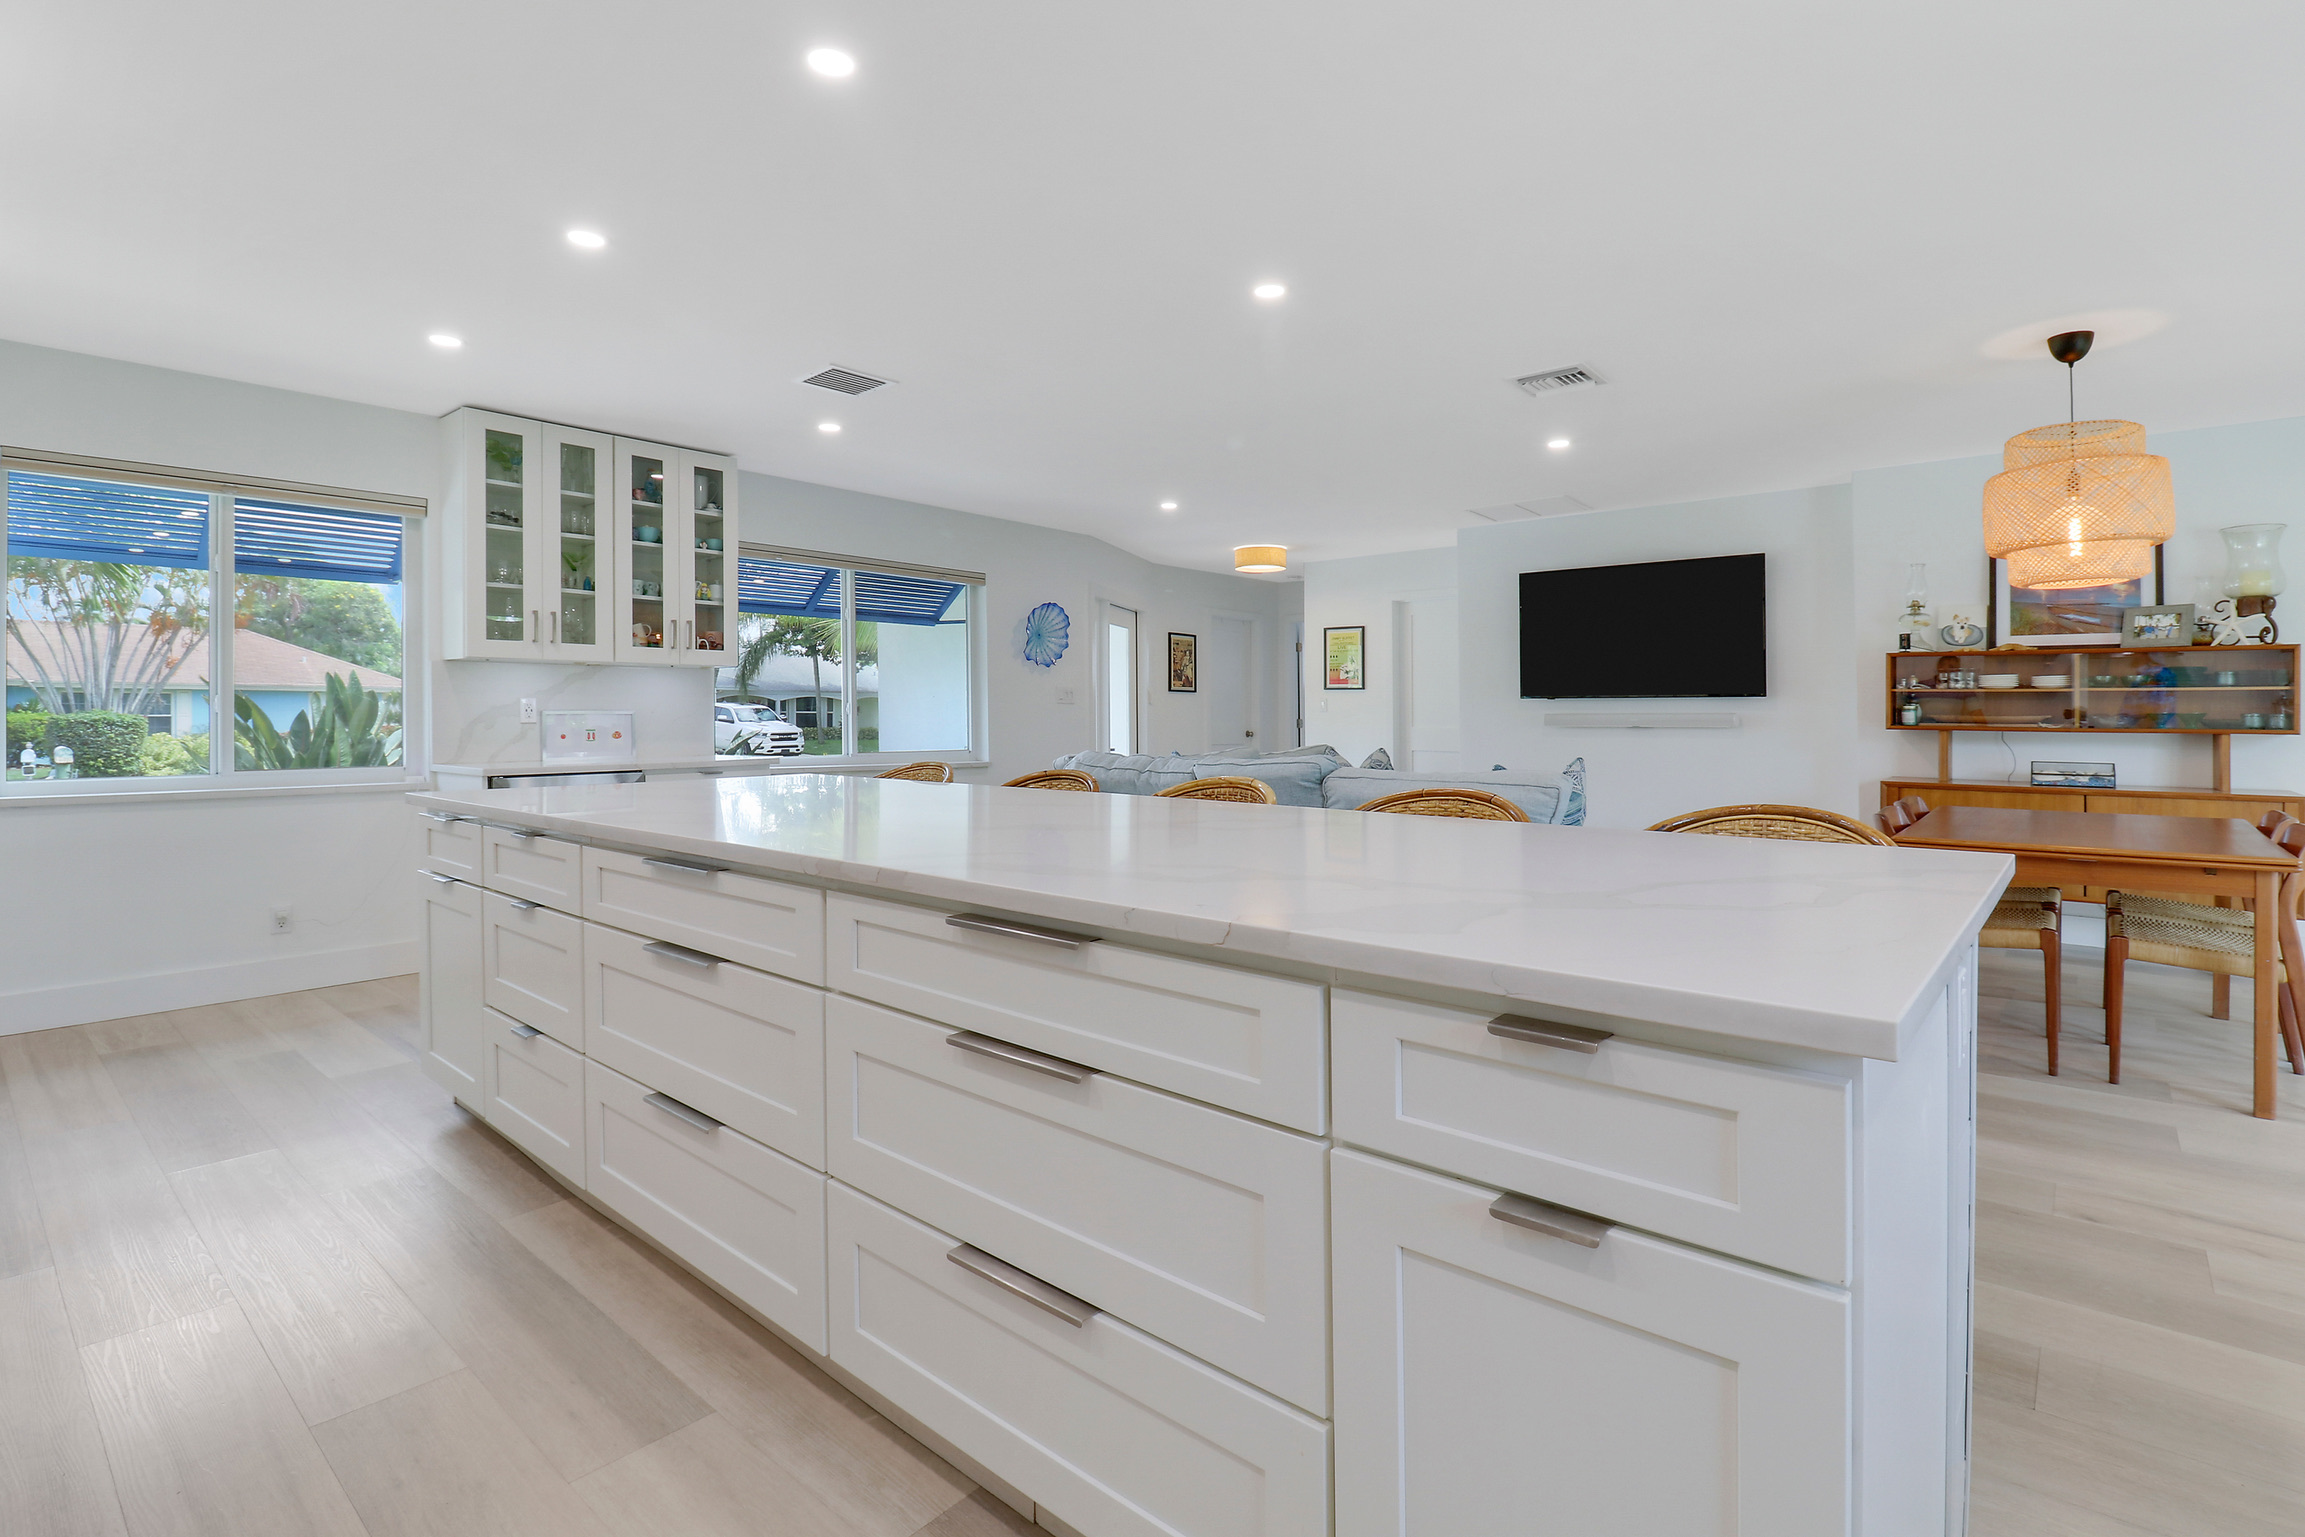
(1249, 1042)
(533, 1092)
(532, 961)
(1493, 1380)
(450, 845)
(761, 923)
(1201, 1227)
(1746, 1159)
(1113, 1432)
(448, 1009)
(745, 1216)
(740, 1045)
(532, 865)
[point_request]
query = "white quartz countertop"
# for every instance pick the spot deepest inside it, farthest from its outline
(1835, 947)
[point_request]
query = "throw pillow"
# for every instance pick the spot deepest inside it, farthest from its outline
(1573, 806)
(1380, 759)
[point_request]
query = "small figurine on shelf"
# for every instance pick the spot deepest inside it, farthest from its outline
(1961, 633)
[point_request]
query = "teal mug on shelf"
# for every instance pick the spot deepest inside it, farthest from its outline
(647, 535)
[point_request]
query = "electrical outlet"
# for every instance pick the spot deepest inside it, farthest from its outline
(528, 712)
(1065, 696)
(282, 920)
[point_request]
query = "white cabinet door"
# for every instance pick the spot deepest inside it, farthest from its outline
(741, 1215)
(708, 481)
(532, 1090)
(1241, 1039)
(1202, 1227)
(740, 1045)
(448, 984)
(1751, 1160)
(494, 595)
(1492, 1381)
(572, 565)
(532, 966)
(1112, 1432)
(653, 526)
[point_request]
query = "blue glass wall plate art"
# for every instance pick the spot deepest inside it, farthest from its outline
(1046, 633)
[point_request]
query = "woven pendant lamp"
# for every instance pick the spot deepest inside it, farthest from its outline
(2078, 504)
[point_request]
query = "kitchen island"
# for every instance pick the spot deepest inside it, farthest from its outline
(1209, 1168)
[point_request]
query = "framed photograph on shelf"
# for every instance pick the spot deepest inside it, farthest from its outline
(1343, 655)
(1184, 663)
(2169, 625)
(2075, 616)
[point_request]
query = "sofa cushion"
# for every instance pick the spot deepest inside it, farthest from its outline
(1295, 781)
(1127, 773)
(1541, 800)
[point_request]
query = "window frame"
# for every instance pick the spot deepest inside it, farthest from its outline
(223, 491)
(979, 749)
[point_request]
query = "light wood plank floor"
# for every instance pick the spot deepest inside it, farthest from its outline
(258, 1276)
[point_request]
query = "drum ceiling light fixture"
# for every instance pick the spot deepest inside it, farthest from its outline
(2078, 504)
(1260, 557)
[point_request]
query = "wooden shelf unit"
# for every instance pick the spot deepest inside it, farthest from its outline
(2143, 692)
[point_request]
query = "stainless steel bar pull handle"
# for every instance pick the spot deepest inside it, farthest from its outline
(1023, 1283)
(443, 816)
(445, 880)
(680, 953)
(526, 1032)
(1553, 1221)
(520, 906)
(686, 866)
(1021, 1056)
(688, 1113)
(1548, 1032)
(984, 925)
(522, 833)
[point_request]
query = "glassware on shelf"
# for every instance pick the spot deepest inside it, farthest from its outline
(1916, 622)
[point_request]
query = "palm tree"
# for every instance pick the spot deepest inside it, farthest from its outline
(813, 636)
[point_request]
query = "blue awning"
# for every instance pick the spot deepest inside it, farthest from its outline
(60, 517)
(781, 587)
(328, 543)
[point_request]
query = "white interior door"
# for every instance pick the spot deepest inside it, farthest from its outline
(1224, 681)
(1118, 704)
(1426, 634)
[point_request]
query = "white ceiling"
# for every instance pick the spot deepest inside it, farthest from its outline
(1786, 234)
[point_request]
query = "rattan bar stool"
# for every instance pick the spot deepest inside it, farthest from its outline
(1804, 824)
(1223, 787)
(1052, 779)
(1478, 805)
(926, 772)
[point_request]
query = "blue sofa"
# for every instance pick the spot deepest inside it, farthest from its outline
(1319, 776)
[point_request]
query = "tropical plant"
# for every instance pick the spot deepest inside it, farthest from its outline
(813, 636)
(163, 755)
(344, 733)
(106, 744)
(102, 635)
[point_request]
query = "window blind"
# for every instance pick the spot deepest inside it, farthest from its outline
(328, 543)
(63, 517)
(785, 587)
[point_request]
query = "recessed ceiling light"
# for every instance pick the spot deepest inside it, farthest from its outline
(1270, 290)
(828, 426)
(831, 63)
(444, 341)
(1557, 444)
(1168, 506)
(587, 239)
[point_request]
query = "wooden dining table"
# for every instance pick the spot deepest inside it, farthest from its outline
(2192, 856)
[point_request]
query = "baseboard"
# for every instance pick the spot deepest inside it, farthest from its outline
(80, 1003)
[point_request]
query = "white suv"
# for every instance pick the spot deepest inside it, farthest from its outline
(753, 729)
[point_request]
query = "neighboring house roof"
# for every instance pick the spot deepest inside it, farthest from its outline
(784, 673)
(260, 663)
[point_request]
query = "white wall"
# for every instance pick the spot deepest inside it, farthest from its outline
(1792, 746)
(1363, 591)
(1025, 566)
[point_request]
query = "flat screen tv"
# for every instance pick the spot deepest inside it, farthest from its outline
(1660, 629)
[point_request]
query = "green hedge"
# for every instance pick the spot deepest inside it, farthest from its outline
(105, 743)
(26, 728)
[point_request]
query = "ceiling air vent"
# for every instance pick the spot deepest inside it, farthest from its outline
(1546, 383)
(846, 381)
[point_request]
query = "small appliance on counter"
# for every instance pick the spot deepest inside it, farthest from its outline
(579, 747)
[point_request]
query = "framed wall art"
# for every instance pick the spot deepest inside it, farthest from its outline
(1344, 650)
(2169, 625)
(1184, 663)
(2078, 616)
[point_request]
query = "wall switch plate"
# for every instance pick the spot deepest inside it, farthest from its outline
(528, 712)
(1065, 696)
(282, 920)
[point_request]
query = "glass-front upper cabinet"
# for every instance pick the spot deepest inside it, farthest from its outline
(522, 576)
(676, 515)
